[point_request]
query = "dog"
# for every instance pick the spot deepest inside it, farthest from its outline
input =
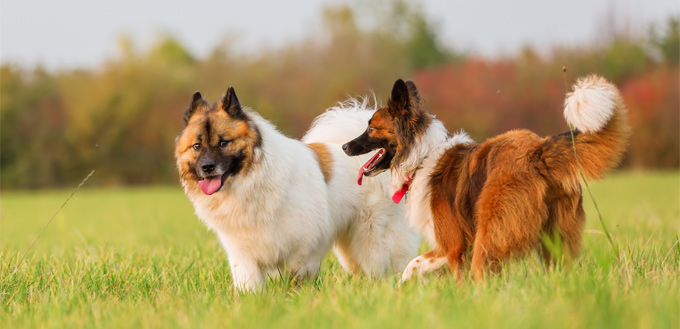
(498, 197)
(277, 204)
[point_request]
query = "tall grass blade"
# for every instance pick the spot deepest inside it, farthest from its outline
(51, 219)
(583, 177)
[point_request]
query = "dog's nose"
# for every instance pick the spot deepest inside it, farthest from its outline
(345, 147)
(208, 166)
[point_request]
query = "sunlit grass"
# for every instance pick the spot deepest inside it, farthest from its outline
(138, 257)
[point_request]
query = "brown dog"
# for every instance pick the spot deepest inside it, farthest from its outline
(498, 196)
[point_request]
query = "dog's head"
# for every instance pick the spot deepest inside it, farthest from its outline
(217, 143)
(392, 130)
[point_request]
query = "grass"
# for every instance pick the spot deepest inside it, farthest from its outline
(138, 257)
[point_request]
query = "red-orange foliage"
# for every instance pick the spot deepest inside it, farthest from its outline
(653, 100)
(488, 98)
(122, 118)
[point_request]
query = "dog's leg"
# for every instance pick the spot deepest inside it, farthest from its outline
(246, 275)
(308, 271)
(378, 242)
(566, 222)
(343, 251)
(448, 230)
(511, 213)
(570, 221)
(481, 258)
(450, 242)
(543, 250)
(424, 264)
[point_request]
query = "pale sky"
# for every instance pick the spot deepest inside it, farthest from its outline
(82, 33)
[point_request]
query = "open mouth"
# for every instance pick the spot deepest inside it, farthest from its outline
(367, 168)
(212, 184)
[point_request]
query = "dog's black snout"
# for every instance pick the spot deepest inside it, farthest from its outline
(345, 147)
(208, 166)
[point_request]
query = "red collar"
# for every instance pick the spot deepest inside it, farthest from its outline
(400, 194)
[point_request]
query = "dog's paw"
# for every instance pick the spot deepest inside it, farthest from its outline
(410, 269)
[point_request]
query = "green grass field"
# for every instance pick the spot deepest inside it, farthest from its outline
(138, 257)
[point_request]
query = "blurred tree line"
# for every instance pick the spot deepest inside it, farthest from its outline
(122, 118)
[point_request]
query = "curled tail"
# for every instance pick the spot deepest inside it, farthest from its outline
(600, 120)
(342, 123)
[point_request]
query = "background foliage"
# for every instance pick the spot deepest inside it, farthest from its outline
(122, 118)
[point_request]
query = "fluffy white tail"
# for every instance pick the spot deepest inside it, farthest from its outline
(596, 110)
(592, 103)
(341, 123)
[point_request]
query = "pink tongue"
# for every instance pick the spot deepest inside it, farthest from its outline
(210, 185)
(366, 165)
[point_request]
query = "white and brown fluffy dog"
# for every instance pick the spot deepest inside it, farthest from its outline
(500, 196)
(279, 204)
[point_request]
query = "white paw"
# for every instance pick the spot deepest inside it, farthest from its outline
(410, 269)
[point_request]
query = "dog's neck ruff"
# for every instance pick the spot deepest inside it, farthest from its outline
(434, 151)
(435, 135)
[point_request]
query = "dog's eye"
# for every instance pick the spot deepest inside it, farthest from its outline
(196, 146)
(370, 129)
(224, 143)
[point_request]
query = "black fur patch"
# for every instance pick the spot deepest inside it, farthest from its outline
(258, 142)
(566, 135)
(235, 164)
(365, 143)
(197, 101)
(232, 106)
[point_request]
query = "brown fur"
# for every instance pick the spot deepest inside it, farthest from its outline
(501, 196)
(407, 123)
(208, 126)
(325, 158)
(392, 127)
(383, 124)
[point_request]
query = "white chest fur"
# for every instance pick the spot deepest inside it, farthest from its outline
(418, 202)
(418, 210)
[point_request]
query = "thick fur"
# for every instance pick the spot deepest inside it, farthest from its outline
(498, 197)
(290, 201)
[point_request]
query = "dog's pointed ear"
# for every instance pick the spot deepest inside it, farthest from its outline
(414, 95)
(196, 102)
(400, 102)
(232, 106)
